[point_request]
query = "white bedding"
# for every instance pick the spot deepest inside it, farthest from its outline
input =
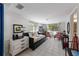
(39, 37)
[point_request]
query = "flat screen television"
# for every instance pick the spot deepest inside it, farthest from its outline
(17, 28)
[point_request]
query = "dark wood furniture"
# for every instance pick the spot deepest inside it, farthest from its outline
(33, 45)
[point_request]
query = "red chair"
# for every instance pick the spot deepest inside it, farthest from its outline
(58, 35)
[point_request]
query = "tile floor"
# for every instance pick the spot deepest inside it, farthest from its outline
(51, 47)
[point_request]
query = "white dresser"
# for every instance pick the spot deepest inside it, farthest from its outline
(17, 46)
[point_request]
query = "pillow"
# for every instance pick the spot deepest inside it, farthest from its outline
(30, 34)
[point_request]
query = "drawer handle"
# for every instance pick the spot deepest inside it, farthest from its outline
(22, 40)
(22, 43)
(22, 47)
(17, 48)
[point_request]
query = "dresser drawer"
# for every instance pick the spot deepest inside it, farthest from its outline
(23, 47)
(22, 40)
(25, 41)
(24, 44)
(16, 47)
(16, 41)
(16, 51)
(16, 44)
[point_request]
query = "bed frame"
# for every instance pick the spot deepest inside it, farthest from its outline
(33, 45)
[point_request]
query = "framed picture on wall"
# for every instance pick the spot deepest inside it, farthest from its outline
(68, 27)
(17, 28)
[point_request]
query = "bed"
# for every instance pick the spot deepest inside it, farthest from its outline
(36, 41)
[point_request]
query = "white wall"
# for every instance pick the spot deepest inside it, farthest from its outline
(63, 25)
(68, 20)
(78, 22)
(7, 31)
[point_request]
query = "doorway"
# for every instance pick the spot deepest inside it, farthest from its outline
(73, 24)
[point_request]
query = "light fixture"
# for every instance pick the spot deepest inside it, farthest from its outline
(75, 20)
(75, 15)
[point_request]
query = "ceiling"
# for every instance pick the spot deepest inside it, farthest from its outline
(44, 12)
